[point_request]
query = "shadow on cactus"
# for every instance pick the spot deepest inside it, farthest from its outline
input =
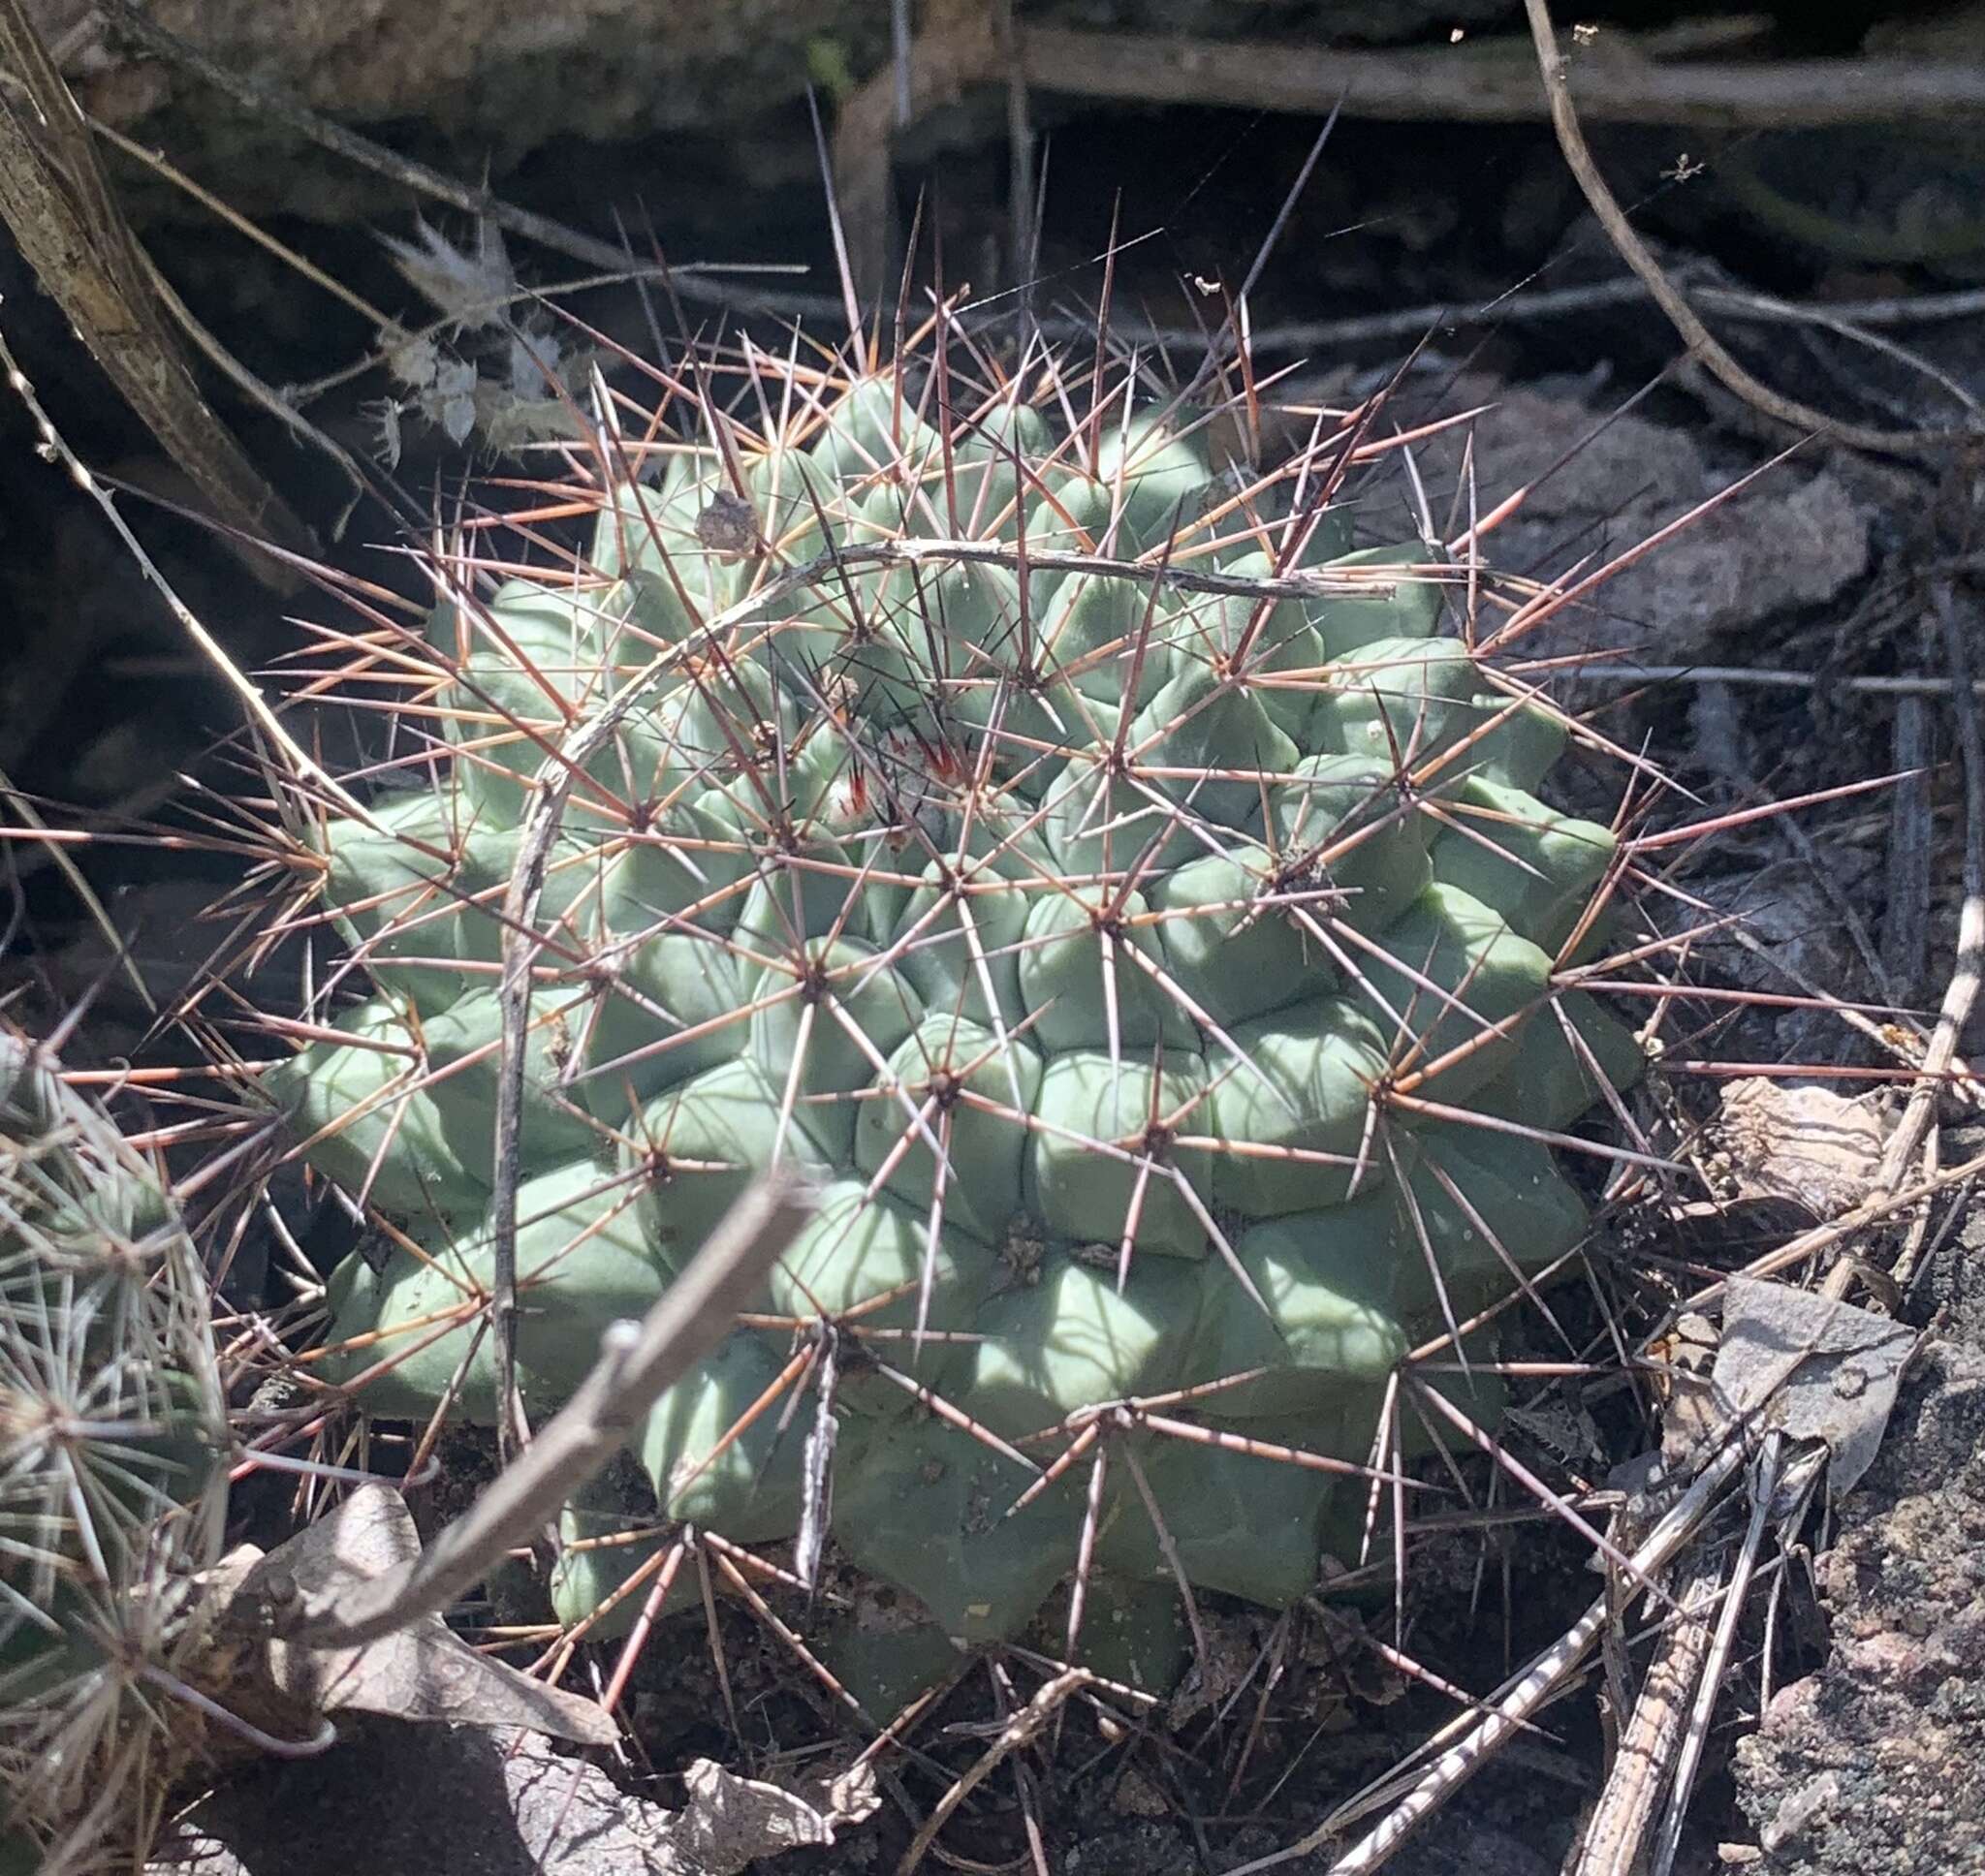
(1135, 907)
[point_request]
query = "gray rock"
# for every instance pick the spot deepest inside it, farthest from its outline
(1792, 539)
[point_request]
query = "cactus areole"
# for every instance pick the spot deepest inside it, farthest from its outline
(1135, 907)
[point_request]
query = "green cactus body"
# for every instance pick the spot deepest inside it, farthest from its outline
(1125, 960)
(112, 1482)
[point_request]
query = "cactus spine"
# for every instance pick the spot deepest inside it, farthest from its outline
(111, 1491)
(1134, 905)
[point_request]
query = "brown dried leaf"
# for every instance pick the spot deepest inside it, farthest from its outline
(1689, 1413)
(730, 1821)
(423, 1672)
(1803, 1145)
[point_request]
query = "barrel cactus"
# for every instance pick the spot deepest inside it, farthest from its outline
(1134, 907)
(113, 1495)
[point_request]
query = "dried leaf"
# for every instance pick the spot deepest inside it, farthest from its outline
(1829, 1369)
(1803, 1145)
(1685, 1387)
(471, 288)
(423, 1673)
(729, 1821)
(447, 1800)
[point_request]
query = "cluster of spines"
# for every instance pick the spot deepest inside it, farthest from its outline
(910, 691)
(112, 1430)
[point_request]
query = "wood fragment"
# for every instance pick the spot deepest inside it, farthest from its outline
(1626, 78)
(1709, 1683)
(1495, 82)
(959, 48)
(58, 204)
(1962, 992)
(1612, 1840)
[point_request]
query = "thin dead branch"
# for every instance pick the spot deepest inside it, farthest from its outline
(1528, 1694)
(692, 1315)
(1875, 1210)
(1627, 670)
(482, 203)
(1906, 913)
(1025, 1727)
(1709, 1683)
(59, 206)
(210, 648)
(1653, 78)
(1411, 322)
(1703, 345)
(1618, 1829)
(1492, 81)
(1962, 991)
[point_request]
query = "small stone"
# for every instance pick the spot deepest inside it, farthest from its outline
(1811, 1800)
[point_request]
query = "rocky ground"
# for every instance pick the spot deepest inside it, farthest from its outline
(1875, 1760)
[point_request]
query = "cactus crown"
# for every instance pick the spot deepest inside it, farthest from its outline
(1133, 902)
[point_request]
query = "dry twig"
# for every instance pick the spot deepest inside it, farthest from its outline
(1906, 916)
(56, 199)
(1531, 1691)
(1703, 345)
(481, 203)
(1411, 322)
(1025, 1727)
(1629, 671)
(1492, 82)
(1618, 1827)
(1653, 79)
(637, 1363)
(1681, 1782)
(1962, 990)
(210, 648)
